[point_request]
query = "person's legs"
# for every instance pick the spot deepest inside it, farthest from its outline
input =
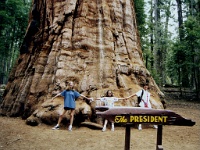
(140, 127)
(71, 119)
(155, 126)
(112, 126)
(59, 120)
(105, 124)
(61, 116)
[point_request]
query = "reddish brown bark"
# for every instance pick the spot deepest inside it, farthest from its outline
(90, 42)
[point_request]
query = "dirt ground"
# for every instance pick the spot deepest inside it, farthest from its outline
(16, 135)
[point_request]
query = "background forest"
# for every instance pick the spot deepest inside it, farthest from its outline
(169, 32)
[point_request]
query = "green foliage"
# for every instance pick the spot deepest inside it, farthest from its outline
(14, 20)
(184, 56)
(140, 17)
(173, 61)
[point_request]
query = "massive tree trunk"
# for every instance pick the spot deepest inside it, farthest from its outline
(94, 43)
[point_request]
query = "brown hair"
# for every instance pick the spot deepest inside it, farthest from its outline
(145, 84)
(107, 95)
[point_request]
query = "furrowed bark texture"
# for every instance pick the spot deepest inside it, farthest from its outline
(94, 43)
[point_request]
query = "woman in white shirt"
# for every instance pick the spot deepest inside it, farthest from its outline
(145, 100)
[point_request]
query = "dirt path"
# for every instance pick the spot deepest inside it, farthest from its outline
(16, 135)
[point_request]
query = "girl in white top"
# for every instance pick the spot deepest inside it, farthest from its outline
(109, 101)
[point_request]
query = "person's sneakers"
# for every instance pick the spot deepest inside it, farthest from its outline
(70, 128)
(104, 129)
(155, 126)
(56, 127)
(139, 127)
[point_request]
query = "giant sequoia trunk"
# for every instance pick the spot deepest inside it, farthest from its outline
(94, 43)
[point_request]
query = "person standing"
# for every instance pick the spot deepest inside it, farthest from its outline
(109, 101)
(145, 100)
(70, 96)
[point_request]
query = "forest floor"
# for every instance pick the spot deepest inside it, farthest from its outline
(16, 135)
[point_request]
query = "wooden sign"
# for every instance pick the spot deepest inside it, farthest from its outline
(138, 115)
(129, 116)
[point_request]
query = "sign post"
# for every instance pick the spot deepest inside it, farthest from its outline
(130, 116)
(127, 137)
(159, 138)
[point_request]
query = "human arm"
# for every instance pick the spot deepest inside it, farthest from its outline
(130, 96)
(103, 98)
(91, 99)
(55, 97)
(127, 97)
(122, 98)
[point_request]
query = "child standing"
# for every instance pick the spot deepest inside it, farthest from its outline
(109, 101)
(70, 96)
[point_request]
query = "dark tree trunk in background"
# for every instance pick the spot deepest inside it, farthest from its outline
(180, 19)
(94, 43)
(157, 53)
(183, 78)
(151, 35)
